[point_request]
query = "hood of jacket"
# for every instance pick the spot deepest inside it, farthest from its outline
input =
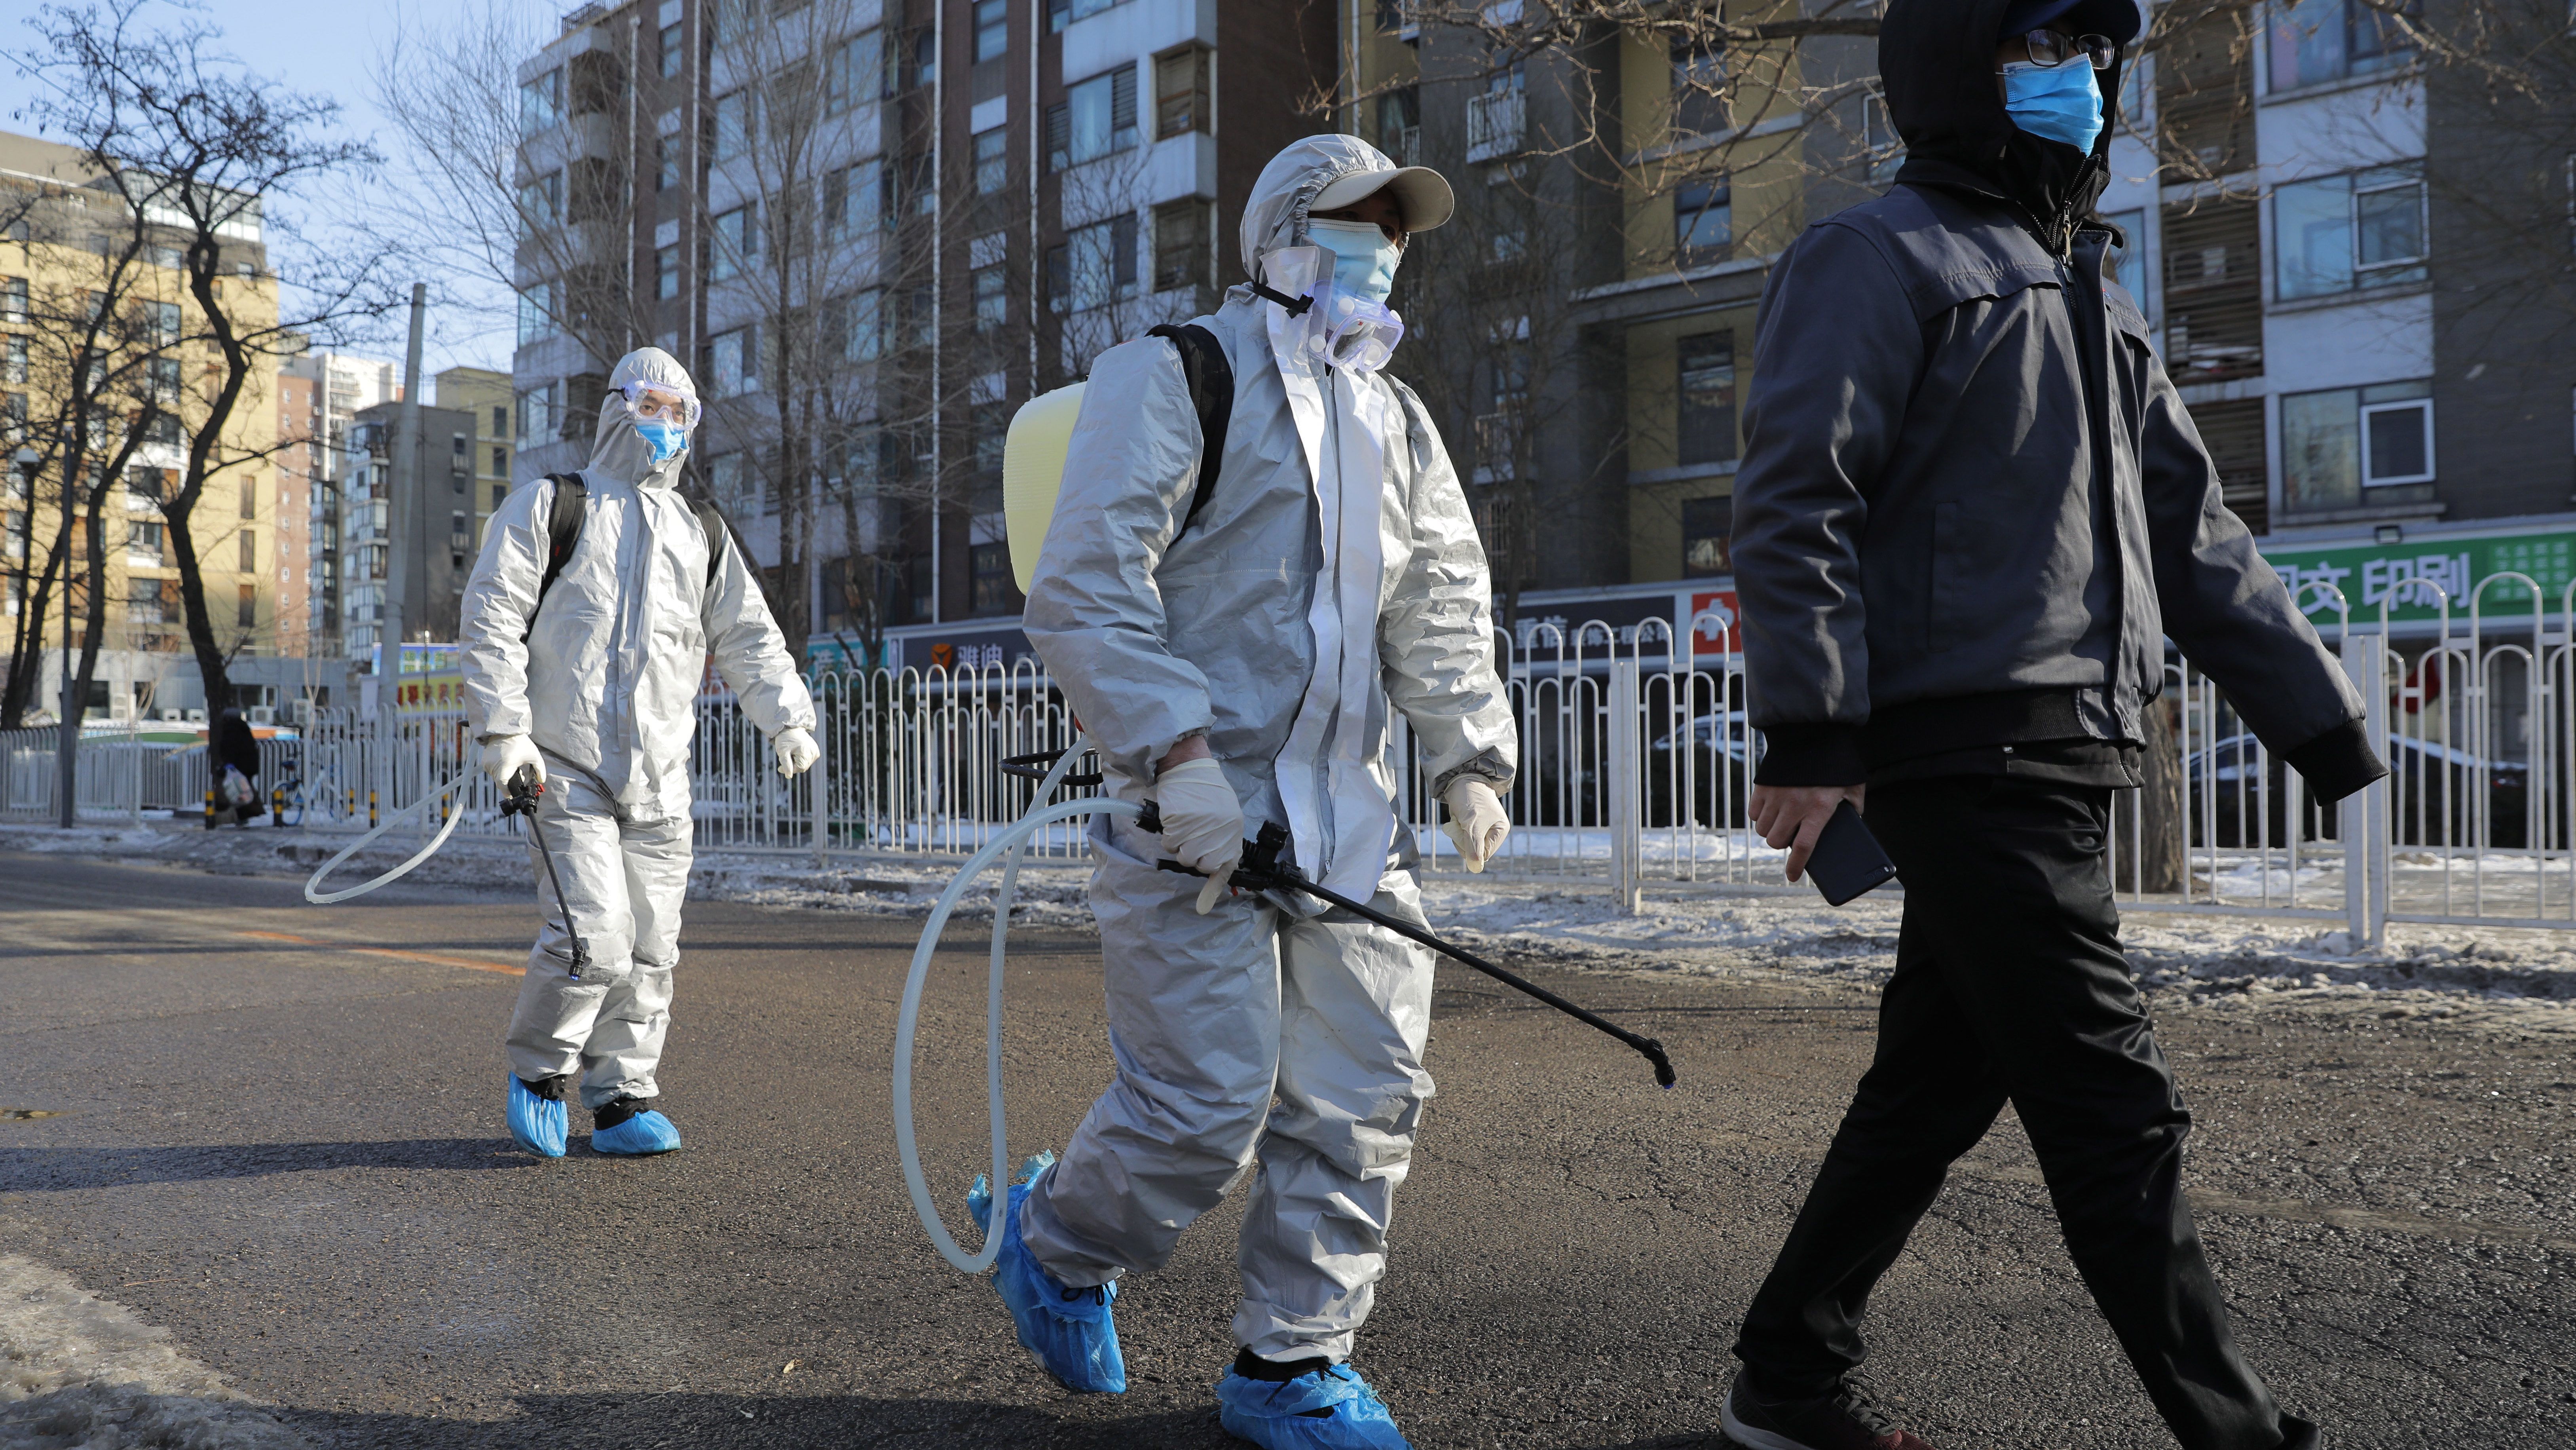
(1936, 61)
(1275, 216)
(617, 451)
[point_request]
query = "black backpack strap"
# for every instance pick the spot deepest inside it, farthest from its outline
(563, 531)
(1211, 380)
(719, 538)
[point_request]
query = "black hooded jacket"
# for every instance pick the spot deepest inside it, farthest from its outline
(1971, 505)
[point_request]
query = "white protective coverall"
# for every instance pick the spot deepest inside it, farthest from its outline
(606, 685)
(1333, 574)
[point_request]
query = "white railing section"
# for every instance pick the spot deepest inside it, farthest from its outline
(1636, 761)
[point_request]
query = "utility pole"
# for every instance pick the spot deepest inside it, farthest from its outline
(402, 493)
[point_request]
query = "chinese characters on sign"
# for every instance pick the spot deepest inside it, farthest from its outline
(2398, 576)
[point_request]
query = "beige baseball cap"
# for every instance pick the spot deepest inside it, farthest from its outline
(1422, 192)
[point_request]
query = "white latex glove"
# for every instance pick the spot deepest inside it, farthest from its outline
(1476, 820)
(1202, 823)
(504, 754)
(797, 751)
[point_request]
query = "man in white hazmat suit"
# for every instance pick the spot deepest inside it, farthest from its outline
(1241, 666)
(593, 689)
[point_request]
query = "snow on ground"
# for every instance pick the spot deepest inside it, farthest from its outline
(79, 1371)
(2512, 978)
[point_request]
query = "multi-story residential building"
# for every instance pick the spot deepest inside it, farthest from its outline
(484, 396)
(65, 227)
(2329, 294)
(437, 530)
(873, 230)
(335, 388)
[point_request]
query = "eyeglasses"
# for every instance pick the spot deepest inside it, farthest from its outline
(2050, 48)
(647, 403)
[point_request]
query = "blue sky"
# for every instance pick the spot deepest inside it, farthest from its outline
(324, 47)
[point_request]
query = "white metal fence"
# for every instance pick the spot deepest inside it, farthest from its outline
(1636, 763)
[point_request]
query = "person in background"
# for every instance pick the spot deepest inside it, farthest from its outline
(1971, 510)
(236, 745)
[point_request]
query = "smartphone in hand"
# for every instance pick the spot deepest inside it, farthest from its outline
(1848, 860)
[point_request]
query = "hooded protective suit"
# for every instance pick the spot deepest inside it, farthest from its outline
(1332, 579)
(604, 679)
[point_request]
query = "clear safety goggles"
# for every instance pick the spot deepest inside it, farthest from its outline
(1351, 333)
(657, 403)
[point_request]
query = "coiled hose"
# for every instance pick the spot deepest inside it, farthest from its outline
(1014, 839)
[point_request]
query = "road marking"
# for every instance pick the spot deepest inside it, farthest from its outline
(469, 963)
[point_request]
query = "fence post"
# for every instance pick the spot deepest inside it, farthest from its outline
(134, 765)
(2364, 818)
(1622, 783)
(818, 780)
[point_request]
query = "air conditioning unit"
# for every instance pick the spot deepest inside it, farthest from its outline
(262, 715)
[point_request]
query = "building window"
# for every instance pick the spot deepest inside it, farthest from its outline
(1061, 13)
(674, 56)
(666, 273)
(538, 407)
(1103, 262)
(143, 542)
(1098, 117)
(500, 493)
(666, 162)
(249, 551)
(1703, 222)
(992, 29)
(1181, 88)
(863, 338)
(541, 203)
(988, 567)
(1181, 245)
(992, 299)
(13, 360)
(2317, 41)
(1399, 124)
(992, 160)
(249, 500)
(735, 362)
(2124, 261)
(737, 119)
(730, 483)
(1699, 86)
(500, 421)
(500, 459)
(1059, 284)
(13, 299)
(541, 102)
(854, 200)
(2337, 443)
(856, 73)
(1707, 525)
(737, 243)
(246, 614)
(2347, 233)
(992, 424)
(536, 313)
(1707, 376)
(925, 58)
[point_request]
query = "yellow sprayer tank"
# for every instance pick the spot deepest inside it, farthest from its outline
(1032, 471)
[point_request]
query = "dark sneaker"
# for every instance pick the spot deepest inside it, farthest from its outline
(1847, 1419)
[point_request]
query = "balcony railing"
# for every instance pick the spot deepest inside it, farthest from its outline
(1494, 122)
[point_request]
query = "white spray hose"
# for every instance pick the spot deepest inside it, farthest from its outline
(313, 894)
(1013, 839)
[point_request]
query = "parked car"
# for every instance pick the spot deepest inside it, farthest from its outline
(2432, 794)
(1724, 747)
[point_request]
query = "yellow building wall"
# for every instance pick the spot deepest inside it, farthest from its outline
(240, 497)
(485, 394)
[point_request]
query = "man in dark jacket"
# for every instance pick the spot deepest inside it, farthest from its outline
(1971, 509)
(237, 745)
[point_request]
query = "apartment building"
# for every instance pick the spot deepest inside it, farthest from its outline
(65, 227)
(484, 396)
(436, 527)
(873, 229)
(333, 389)
(2349, 265)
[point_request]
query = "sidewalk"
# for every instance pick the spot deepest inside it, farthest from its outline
(2512, 979)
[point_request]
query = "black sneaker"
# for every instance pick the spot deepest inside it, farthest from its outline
(1847, 1419)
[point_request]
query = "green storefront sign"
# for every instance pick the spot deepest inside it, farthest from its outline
(2369, 574)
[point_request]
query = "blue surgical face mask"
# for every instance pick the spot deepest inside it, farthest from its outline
(1363, 259)
(2055, 102)
(664, 439)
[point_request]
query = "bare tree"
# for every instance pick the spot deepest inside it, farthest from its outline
(200, 151)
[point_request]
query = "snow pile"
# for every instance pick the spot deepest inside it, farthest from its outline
(80, 1373)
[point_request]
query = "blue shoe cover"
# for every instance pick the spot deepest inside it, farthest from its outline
(639, 1136)
(1069, 1330)
(1325, 1409)
(536, 1124)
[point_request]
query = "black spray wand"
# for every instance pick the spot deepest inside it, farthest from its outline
(522, 801)
(1261, 870)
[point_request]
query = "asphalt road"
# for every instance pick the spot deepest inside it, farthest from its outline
(280, 1136)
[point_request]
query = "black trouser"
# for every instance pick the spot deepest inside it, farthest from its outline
(2010, 986)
